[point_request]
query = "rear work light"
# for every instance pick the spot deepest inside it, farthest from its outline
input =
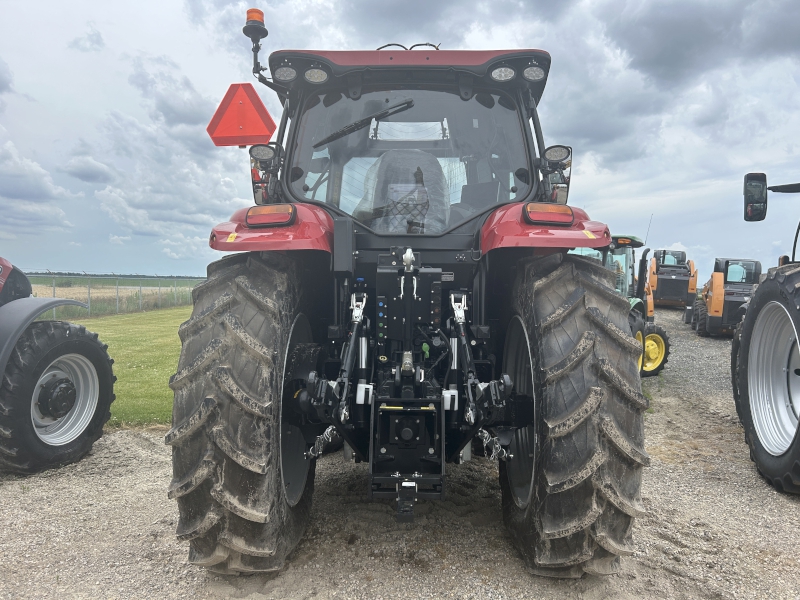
(270, 215)
(540, 213)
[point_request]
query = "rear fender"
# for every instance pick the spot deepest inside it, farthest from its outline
(17, 315)
(505, 228)
(638, 306)
(312, 229)
(13, 283)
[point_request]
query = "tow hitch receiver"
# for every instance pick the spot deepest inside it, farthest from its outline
(407, 452)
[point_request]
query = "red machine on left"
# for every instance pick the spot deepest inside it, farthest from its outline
(57, 381)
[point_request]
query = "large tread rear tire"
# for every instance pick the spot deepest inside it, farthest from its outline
(766, 376)
(30, 441)
(655, 359)
(225, 432)
(588, 463)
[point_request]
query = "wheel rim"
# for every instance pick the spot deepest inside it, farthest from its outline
(294, 464)
(80, 372)
(641, 344)
(773, 378)
(654, 351)
(517, 364)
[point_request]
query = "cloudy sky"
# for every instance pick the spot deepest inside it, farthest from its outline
(105, 164)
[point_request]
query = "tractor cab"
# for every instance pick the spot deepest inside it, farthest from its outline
(623, 262)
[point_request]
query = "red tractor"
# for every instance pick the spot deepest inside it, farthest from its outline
(402, 282)
(57, 381)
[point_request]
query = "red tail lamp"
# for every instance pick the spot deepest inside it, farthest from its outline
(540, 213)
(270, 215)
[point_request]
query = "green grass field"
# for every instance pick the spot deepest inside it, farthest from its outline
(145, 348)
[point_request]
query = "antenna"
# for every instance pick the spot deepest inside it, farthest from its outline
(648, 228)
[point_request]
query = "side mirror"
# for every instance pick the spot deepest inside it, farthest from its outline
(558, 170)
(265, 162)
(755, 197)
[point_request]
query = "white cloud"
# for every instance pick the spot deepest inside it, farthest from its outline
(28, 195)
(118, 239)
(91, 41)
(24, 179)
(89, 170)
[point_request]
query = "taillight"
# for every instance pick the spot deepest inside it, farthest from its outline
(541, 213)
(269, 215)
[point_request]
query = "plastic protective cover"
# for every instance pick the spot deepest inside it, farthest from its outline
(405, 192)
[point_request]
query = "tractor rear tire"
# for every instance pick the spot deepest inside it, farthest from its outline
(55, 396)
(240, 477)
(636, 321)
(571, 492)
(702, 320)
(656, 350)
(766, 373)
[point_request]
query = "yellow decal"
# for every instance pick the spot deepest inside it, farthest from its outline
(590, 235)
(232, 237)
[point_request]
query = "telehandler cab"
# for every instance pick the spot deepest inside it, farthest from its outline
(403, 281)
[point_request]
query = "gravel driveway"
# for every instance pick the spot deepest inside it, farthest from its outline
(104, 528)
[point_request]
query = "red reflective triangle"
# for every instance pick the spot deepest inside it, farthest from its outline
(241, 119)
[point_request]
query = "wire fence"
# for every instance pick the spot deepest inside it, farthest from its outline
(111, 294)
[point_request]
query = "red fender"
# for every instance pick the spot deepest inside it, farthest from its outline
(5, 271)
(505, 228)
(312, 229)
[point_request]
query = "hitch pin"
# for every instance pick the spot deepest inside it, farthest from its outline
(459, 307)
(357, 306)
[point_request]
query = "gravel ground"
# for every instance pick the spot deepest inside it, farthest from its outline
(105, 528)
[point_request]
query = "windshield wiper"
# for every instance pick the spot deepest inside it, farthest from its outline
(361, 123)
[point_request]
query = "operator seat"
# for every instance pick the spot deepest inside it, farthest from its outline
(405, 191)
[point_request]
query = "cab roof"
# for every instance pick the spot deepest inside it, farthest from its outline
(627, 240)
(352, 68)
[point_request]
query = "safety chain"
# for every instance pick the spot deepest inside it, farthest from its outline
(322, 440)
(492, 447)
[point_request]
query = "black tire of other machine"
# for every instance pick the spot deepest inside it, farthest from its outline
(781, 471)
(43, 343)
(702, 320)
(584, 491)
(637, 324)
(226, 435)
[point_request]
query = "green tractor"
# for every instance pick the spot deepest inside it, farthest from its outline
(619, 258)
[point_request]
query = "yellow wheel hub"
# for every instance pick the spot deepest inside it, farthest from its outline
(654, 350)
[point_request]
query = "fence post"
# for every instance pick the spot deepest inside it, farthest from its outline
(54, 295)
(140, 294)
(174, 292)
(159, 292)
(117, 295)
(89, 294)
